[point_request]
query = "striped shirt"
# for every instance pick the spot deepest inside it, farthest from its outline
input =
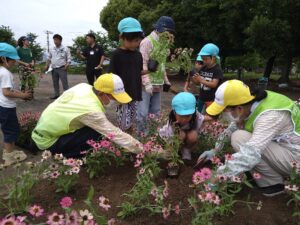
(276, 126)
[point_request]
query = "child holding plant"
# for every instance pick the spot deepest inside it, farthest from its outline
(188, 121)
(210, 76)
(127, 62)
(8, 115)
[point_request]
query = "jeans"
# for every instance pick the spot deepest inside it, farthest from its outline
(149, 105)
(59, 73)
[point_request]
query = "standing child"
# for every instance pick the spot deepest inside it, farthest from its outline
(210, 76)
(187, 119)
(127, 62)
(151, 93)
(8, 116)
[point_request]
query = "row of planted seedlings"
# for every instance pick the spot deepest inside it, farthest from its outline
(147, 194)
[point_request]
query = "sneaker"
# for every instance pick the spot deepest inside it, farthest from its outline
(186, 154)
(273, 190)
(13, 157)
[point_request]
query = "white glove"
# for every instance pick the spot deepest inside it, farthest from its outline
(205, 156)
(149, 89)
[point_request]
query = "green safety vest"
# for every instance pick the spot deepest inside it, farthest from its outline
(275, 101)
(56, 120)
(157, 78)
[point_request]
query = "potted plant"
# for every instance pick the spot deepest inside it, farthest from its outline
(173, 146)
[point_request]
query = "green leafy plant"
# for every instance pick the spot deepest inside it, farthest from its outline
(101, 155)
(181, 59)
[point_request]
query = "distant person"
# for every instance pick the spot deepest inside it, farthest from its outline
(94, 56)
(60, 59)
(8, 115)
(26, 62)
(127, 62)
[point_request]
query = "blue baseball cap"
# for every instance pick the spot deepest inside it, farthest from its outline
(165, 23)
(184, 103)
(9, 51)
(129, 25)
(209, 49)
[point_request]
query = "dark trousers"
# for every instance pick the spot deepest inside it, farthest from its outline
(74, 144)
(9, 124)
(91, 74)
(59, 73)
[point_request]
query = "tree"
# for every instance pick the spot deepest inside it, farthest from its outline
(6, 35)
(101, 39)
(36, 49)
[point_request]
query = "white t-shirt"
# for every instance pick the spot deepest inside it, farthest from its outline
(6, 81)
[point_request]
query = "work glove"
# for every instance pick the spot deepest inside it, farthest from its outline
(205, 156)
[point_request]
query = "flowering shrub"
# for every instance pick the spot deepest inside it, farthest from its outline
(69, 216)
(64, 172)
(181, 59)
(215, 198)
(292, 188)
(27, 121)
(101, 154)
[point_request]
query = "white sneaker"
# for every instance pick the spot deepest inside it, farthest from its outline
(13, 157)
(186, 154)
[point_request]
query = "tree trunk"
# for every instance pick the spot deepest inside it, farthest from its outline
(269, 66)
(286, 70)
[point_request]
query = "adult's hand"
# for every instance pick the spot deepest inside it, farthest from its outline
(66, 67)
(205, 156)
(27, 95)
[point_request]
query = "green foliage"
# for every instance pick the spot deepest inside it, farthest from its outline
(249, 61)
(36, 49)
(6, 35)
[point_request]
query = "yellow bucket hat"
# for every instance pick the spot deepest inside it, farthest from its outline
(112, 84)
(230, 93)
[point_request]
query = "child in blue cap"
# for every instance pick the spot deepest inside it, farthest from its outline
(211, 75)
(8, 116)
(127, 62)
(187, 119)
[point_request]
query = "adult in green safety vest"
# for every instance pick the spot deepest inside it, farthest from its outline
(78, 115)
(265, 134)
(153, 81)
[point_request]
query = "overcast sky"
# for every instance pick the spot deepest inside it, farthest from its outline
(69, 18)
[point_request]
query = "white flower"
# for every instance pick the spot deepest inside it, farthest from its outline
(85, 215)
(75, 169)
(46, 155)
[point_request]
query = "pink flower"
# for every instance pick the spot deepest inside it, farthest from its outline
(215, 160)
(75, 169)
(111, 136)
(104, 203)
(228, 157)
(10, 221)
(166, 212)
(55, 219)
(55, 174)
(70, 162)
(36, 211)
(151, 116)
(236, 179)
(256, 176)
(112, 221)
(66, 202)
(154, 192)
(72, 218)
(118, 153)
(202, 175)
(210, 197)
(177, 209)
(142, 171)
(96, 146)
(222, 178)
(90, 142)
(105, 143)
(137, 163)
(140, 156)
